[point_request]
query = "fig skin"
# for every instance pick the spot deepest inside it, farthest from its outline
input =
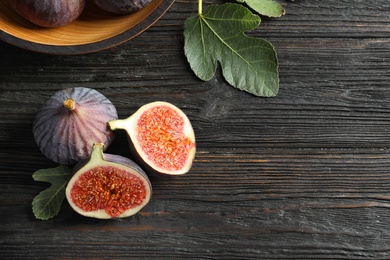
(161, 138)
(121, 6)
(107, 186)
(71, 121)
(49, 13)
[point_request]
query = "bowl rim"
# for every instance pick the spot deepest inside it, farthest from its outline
(90, 47)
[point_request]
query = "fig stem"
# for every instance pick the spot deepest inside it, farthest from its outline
(119, 123)
(69, 103)
(97, 152)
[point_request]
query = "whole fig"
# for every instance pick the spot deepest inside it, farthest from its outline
(71, 121)
(49, 13)
(108, 186)
(121, 6)
(161, 137)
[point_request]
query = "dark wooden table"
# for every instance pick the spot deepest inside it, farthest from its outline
(304, 175)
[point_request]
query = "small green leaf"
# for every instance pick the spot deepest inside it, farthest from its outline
(248, 63)
(268, 8)
(47, 204)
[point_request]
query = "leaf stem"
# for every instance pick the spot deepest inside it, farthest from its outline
(200, 7)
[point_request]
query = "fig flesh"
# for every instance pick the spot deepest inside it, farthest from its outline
(49, 13)
(161, 136)
(122, 6)
(71, 121)
(108, 186)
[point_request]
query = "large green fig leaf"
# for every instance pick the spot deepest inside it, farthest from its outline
(47, 204)
(248, 63)
(268, 8)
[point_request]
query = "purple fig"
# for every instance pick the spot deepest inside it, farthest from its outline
(49, 13)
(121, 6)
(71, 121)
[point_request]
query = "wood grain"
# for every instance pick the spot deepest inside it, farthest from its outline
(304, 175)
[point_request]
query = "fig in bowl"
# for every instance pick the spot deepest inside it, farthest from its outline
(49, 13)
(121, 6)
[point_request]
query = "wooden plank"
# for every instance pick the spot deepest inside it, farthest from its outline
(303, 175)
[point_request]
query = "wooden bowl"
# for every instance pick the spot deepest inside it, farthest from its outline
(94, 30)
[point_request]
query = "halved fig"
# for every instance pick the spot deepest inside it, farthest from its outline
(71, 121)
(108, 186)
(161, 136)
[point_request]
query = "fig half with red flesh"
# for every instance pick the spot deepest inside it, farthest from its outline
(108, 186)
(71, 121)
(161, 136)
